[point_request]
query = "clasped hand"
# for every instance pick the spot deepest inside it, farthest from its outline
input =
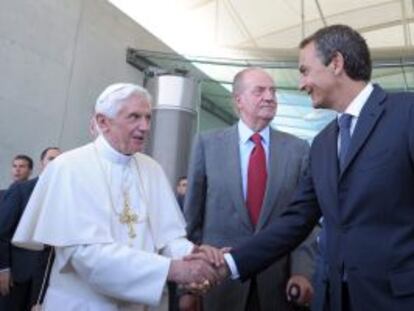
(204, 268)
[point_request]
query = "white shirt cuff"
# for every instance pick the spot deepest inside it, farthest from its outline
(232, 266)
(4, 270)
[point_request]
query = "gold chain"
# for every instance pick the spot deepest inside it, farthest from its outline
(128, 216)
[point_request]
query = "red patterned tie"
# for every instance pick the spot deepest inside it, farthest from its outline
(256, 179)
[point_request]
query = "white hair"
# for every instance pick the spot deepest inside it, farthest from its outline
(113, 97)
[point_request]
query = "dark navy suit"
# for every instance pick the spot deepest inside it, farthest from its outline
(320, 301)
(4, 300)
(368, 209)
(2, 192)
(27, 267)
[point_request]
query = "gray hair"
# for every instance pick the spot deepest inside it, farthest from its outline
(239, 85)
(113, 98)
(238, 80)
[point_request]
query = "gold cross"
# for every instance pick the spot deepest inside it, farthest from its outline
(129, 217)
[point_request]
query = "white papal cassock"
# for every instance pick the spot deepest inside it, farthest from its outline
(75, 207)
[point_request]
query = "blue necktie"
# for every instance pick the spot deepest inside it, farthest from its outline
(344, 122)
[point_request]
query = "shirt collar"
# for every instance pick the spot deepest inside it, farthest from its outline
(245, 133)
(356, 105)
(109, 153)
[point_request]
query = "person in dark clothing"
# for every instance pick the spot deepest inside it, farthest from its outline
(21, 169)
(21, 270)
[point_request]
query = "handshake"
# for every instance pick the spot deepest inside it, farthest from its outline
(200, 270)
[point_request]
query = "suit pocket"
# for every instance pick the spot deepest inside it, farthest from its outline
(402, 283)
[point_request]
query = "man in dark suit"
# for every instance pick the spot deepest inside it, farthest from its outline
(360, 177)
(21, 270)
(22, 167)
(219, 204)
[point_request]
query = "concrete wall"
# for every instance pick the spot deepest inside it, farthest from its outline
(56, 57)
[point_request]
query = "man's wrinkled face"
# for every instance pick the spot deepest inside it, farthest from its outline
(128, 130)
(256, 102)
(316, 79)
(21, 170)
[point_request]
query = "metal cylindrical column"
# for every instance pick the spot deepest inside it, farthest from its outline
(175, 104)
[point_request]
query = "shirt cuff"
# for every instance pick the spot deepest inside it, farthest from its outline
(232, 266)
(4, 270)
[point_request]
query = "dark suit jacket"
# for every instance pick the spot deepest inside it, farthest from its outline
(368, 209)
(25, 265)
(2, 193)
(320, 301)
(216, 213)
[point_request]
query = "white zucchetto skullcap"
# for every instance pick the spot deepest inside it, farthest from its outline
(108, 103)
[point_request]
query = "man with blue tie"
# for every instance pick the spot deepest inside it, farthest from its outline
(240, 180)
(360, 178)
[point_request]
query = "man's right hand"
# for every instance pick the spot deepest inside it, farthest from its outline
(5, 282)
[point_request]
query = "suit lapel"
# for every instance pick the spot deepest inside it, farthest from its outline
(366, 122)
(278, 157)
(232, 153)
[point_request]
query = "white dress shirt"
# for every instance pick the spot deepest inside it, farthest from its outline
(246, 146)
(355, 107)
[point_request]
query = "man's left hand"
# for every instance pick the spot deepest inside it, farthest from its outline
(305, 289)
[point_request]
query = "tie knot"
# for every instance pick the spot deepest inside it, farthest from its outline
(256, 138)
(344, 121)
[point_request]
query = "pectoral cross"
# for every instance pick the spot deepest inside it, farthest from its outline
(129, 217)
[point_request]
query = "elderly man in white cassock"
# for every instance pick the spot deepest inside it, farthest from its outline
(110, 213)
